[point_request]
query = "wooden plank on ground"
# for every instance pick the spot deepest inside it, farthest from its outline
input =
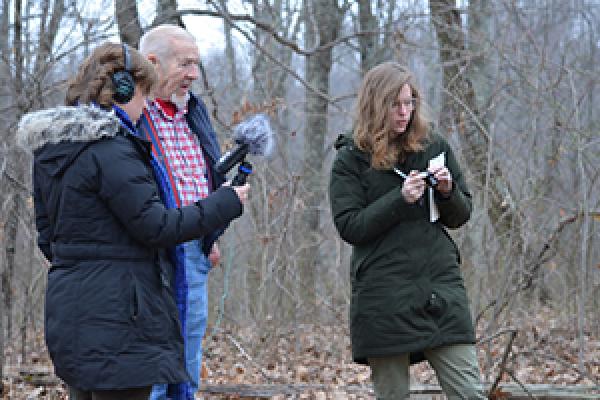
(32, 374)
(506, 391)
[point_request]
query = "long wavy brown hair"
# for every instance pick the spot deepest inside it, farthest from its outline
(373, 129)
(93, 81)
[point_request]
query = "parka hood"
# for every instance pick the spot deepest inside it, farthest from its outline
(65, 123)
(346, 141)
(58, 135)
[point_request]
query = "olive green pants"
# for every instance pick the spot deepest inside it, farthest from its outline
(455, 366)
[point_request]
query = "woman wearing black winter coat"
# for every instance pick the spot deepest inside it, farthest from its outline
(111, 319)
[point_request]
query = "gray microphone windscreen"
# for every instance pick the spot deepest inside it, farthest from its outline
(256, 132)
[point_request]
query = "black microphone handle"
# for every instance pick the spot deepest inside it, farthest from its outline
(231, 158)
(244, 169)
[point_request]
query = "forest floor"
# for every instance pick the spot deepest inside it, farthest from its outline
(317, 358)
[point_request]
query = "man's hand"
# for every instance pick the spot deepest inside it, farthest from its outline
(215, 256)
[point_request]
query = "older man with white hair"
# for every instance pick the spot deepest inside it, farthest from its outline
(177, 123)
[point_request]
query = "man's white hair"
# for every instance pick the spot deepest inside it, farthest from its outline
(158, 40)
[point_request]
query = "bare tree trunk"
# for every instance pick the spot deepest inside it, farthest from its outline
(48, 36)
(5, 79)
(273, 275)
(323, 18)
(3, 314)
(4, 24)
(480, 24)
(18, 51)
(368, 43)
(43, 61)
(24, 322)
(166, 13)
(2, 356)
(230, 53)
(8, 274)
(376, 24)
(460, 114)
(260, 280)
(128, 21)
(13, 212)
(581, 291)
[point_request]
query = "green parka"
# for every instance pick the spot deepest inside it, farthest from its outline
(408, 294)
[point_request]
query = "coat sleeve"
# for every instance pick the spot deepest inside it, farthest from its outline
(357, 221)
(127, 186)
(455, 210)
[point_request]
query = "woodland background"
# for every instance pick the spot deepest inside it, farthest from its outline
(510, 83)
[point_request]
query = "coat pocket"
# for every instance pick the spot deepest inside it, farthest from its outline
(60, 315)
(134, 302)
(147, 309)
(104, 317)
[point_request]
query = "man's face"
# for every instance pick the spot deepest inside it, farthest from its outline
(178, 70)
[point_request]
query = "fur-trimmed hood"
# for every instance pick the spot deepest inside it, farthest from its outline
(56, 136)
(66, 124)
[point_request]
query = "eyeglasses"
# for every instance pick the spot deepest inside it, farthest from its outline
(408, 104)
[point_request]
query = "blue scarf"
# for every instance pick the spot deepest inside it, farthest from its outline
(180, 391)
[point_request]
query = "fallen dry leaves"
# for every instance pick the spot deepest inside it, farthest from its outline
(546, 350)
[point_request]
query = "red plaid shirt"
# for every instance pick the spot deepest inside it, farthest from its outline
(183, 153)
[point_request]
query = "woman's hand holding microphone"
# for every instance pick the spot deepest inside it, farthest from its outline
(241, 191)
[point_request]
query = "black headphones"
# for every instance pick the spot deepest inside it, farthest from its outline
(123, 81)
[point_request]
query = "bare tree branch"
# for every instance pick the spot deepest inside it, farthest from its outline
(273, 32)
(276, 61)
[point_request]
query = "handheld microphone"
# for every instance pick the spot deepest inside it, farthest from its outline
(254, 136)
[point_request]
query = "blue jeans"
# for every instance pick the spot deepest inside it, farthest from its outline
(197, 267)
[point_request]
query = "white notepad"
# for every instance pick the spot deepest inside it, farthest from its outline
(434, 212)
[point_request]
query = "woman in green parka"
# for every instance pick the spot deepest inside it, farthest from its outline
(408, 302)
